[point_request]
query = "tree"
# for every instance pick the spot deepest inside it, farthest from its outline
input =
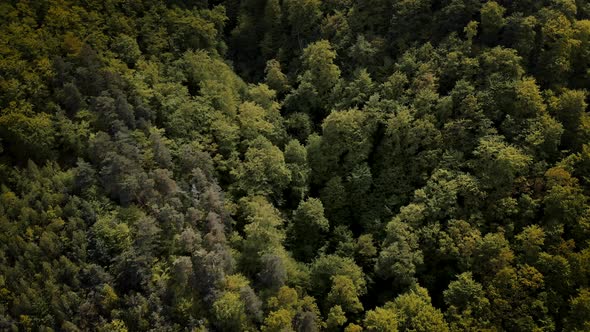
(127, 49)
(400, 255)
(498, 163)
(357, 92)
(344, 294)
(381, 320)
(278, 321)
(558, 43)
(336, 318)
(327, 266)
(577, 319)
(565, 205)
(346, 141)
(569, 108)
(492, 253)
(520, 34)
(290, 312)
(469, 309)
(272, 25)
(262, 233)
(581, 53)
(27, 135)
(308, 230)
(416, 313)
(492, 20)
(296, 160)
(275, 78)
(229, 312)
(317, 80)
(517, 300)
(263, 171)
(530, 242)
(335, 199)
(303, 17)
(528, 100)
(254, 122)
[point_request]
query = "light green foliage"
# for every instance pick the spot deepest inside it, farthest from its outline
(416, 313)
(213, 79)
(115, 326)
(515, 292)
(381, 320)
(543, 136)
(344, 294)
(287, 305)
(318, 59)
(530, 242)
(114, 235)
(471, 31)
(262, 233)
(127, 49)
(278, 321)
(229, 312)
(263, 171)
(557, 38)
(326, 267)
(528, 101)
(501, 61)
(491, 253)
(275, 78)
(565, 202)
(336, 318)
(253, 122)
(357, 92)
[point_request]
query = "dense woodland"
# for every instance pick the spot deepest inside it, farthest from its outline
(294, 165)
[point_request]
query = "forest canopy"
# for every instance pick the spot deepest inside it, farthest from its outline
(294, 165)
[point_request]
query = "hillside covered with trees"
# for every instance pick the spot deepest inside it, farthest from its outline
(294, 165)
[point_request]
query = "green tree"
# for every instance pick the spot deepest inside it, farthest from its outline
(26, 134)
(400, 255)
(469, 309)
(499, 163)
(263, 171)
(229, 312)
(319, 76)
(303, 16)
(336, 318)
(275, 78)
(327, 266)
(345, 294)
(308, 230)
(263, 234)
(296, 160)
(381, 320)
(569, 108)
(416, 313)
(492, 20)
(577, 319)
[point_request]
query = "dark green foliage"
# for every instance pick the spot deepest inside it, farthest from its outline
(294, 165)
